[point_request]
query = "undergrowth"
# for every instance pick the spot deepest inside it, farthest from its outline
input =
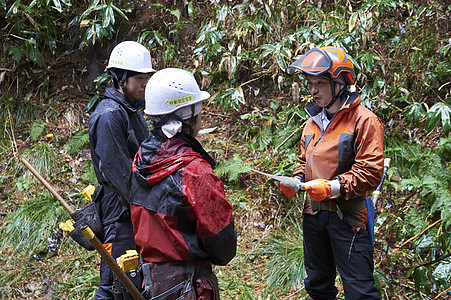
(32, 226)
(401, 53)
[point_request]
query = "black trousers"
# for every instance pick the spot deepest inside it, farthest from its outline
(330, 244)
(120, 235)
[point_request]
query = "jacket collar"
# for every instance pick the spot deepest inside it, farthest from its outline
(353, 100)
(155, 159)
(113, 94)
(316, 115)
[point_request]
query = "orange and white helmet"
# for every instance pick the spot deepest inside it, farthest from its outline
(318, 61)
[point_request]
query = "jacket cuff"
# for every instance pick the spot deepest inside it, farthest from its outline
(334, 187)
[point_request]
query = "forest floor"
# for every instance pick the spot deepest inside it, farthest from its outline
(47, 272)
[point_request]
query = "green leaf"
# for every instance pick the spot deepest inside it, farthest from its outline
(108, 17)
(191, 11)
(119, 11)
(231, 169)
(101, 79)
(207, 130)
(33, 52)
(77, 142)
(93, 4)
(415, 112)
(89, 175)
(443, 270)
(100, 7)
(353, 21)
(30, 7)
(57, 5)
(440, 111)
(176, 13)
(85, 14)
(13, 9)
(91, 103)
(18, 52)
(89, 34)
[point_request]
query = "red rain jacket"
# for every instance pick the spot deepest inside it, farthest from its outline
(178, 204)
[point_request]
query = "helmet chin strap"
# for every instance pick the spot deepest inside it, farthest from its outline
(334, 97)
(120, 82)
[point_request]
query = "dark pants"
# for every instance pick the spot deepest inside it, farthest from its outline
(120, 235)
(330, 244)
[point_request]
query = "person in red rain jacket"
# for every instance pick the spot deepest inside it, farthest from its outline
(182, 220)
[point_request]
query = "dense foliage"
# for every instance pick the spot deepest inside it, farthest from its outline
(51, 76)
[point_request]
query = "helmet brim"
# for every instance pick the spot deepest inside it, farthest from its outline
(146, 70)
(204, 95)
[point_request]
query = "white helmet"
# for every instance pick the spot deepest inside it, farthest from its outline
(171, 89)
(131, 56)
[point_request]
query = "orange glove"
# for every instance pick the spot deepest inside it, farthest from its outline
(318, 189)
(292, 186)
(288, 191)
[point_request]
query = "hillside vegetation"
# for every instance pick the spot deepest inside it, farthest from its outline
(52, 67)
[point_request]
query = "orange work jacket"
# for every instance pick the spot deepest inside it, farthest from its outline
(349, 149)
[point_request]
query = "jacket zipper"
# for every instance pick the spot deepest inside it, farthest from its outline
(322, 133)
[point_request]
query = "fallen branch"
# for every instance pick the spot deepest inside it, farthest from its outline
(442, 293)
(439, 259)
(397, 210)
(409, 240)
(289, 137)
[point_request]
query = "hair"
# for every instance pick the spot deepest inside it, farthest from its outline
(341, 78)
(118, 75)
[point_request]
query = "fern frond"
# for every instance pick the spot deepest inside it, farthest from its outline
(77, 142)
(37, 129)
(231, 169)
(288, 138)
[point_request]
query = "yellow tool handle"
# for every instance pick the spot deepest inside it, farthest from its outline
(91, 237)
(112, 263)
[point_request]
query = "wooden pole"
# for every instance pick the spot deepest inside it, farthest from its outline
(112, 263)
(47, 185)
(89, 234)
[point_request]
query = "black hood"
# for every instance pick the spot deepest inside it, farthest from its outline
(115, 95)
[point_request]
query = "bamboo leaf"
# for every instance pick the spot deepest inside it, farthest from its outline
(119, 11)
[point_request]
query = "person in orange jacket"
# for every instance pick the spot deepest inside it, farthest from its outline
(341, 159)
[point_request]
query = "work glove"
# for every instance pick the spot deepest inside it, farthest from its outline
(289, 191)
(320, 189)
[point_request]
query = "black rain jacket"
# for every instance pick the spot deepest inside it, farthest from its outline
(116, 130)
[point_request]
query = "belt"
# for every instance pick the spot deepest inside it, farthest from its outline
(338, 207)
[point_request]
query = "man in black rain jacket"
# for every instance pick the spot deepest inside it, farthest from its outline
(116, 129)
